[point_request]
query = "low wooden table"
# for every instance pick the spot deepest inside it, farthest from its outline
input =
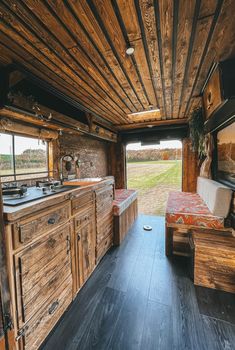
(214, 260)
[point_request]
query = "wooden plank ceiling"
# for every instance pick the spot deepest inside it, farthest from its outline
(79, 47)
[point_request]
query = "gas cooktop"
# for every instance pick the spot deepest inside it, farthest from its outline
(32, 194)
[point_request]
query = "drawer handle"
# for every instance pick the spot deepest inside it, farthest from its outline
(78, 237)
(51, 242)
(51, 221)
(53, 307)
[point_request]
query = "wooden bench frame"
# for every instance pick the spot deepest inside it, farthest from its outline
(124, 221)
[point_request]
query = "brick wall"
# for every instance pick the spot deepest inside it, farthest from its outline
(91, 151)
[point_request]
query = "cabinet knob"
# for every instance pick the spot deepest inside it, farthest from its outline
(51, 221)
(78, 237)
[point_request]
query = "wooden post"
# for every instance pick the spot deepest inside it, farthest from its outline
(190, 167)
(6, 343)
(117, 163)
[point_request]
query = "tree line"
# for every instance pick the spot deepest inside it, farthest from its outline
(154, 154)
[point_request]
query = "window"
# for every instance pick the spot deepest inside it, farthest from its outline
(22, 158)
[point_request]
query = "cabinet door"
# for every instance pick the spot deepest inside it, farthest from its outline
(40, 269)
(85, 238)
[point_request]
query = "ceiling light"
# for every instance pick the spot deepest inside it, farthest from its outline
(130, 50)
(150, 126)
(146, 112)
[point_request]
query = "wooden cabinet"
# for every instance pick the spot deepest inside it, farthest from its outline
(26, 230)
(41, 269)
(51, 255)
(85, 237)
(104, 220)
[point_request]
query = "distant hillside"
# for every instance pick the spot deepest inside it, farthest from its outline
(154, 154)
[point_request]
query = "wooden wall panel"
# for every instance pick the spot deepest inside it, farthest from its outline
(190, 168)
(79, 47)
(117, 164)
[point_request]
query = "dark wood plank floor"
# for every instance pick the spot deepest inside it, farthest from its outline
(138, 299)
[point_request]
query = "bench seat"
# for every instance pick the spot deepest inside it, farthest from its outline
(184, 208)
(123, 199)
(125, 211)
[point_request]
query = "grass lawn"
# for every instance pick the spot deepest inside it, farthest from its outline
(154, 180)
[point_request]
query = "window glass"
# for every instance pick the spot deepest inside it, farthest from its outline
(6, 157)
(22, 157)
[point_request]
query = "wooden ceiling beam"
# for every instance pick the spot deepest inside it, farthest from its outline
(103, 11)
(34, 43)
(80, 35)
(166, 28)
(76, 55)
(104, 45)
(129, 22)
(220, 45)
(42, 72)
(184, 28)
(154, 123)
(202, 33)
(147, 21)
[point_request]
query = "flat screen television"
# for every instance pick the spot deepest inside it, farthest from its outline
(225, 155)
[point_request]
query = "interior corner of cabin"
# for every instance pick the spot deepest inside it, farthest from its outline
(117, 175)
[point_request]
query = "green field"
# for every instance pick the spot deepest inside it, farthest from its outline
(154, 180)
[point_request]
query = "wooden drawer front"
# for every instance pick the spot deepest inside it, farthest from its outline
(104, 206)
(82, 201)
(84, 217)
(36, 330)
(104, 193)
(27, 230)
(104, 229)
(212, 98)
(103, 247)
(40, 269)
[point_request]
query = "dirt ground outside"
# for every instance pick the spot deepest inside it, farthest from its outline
(154, 180)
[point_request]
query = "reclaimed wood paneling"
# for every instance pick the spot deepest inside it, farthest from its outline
(79, 47)
(214, 261)
(123, 222)
(190, 167)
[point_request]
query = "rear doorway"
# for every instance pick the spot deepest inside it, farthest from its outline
(154, 171)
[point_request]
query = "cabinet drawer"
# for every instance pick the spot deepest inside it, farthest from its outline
(84, 217)
(38, 268)
(83, 200)
(104, 206)
(103, 247)
(104, 193)
(36, 330)
(32, 227)
(103, 232)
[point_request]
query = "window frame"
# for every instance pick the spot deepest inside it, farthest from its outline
(14, 175)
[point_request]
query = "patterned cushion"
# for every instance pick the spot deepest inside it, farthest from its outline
(189, 209)
(123, 199)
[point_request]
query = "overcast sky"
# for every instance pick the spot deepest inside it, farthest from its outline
(21, 144)
(162, 145)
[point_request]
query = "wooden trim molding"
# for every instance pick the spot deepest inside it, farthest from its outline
(154, 123)
(9, 125)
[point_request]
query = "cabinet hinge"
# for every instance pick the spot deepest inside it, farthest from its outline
(68, 244)
(21, 332)
(8, 323)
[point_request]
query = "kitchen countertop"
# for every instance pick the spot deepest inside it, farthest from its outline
(14, 213)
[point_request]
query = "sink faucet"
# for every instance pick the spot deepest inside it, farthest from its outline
(68, 158)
